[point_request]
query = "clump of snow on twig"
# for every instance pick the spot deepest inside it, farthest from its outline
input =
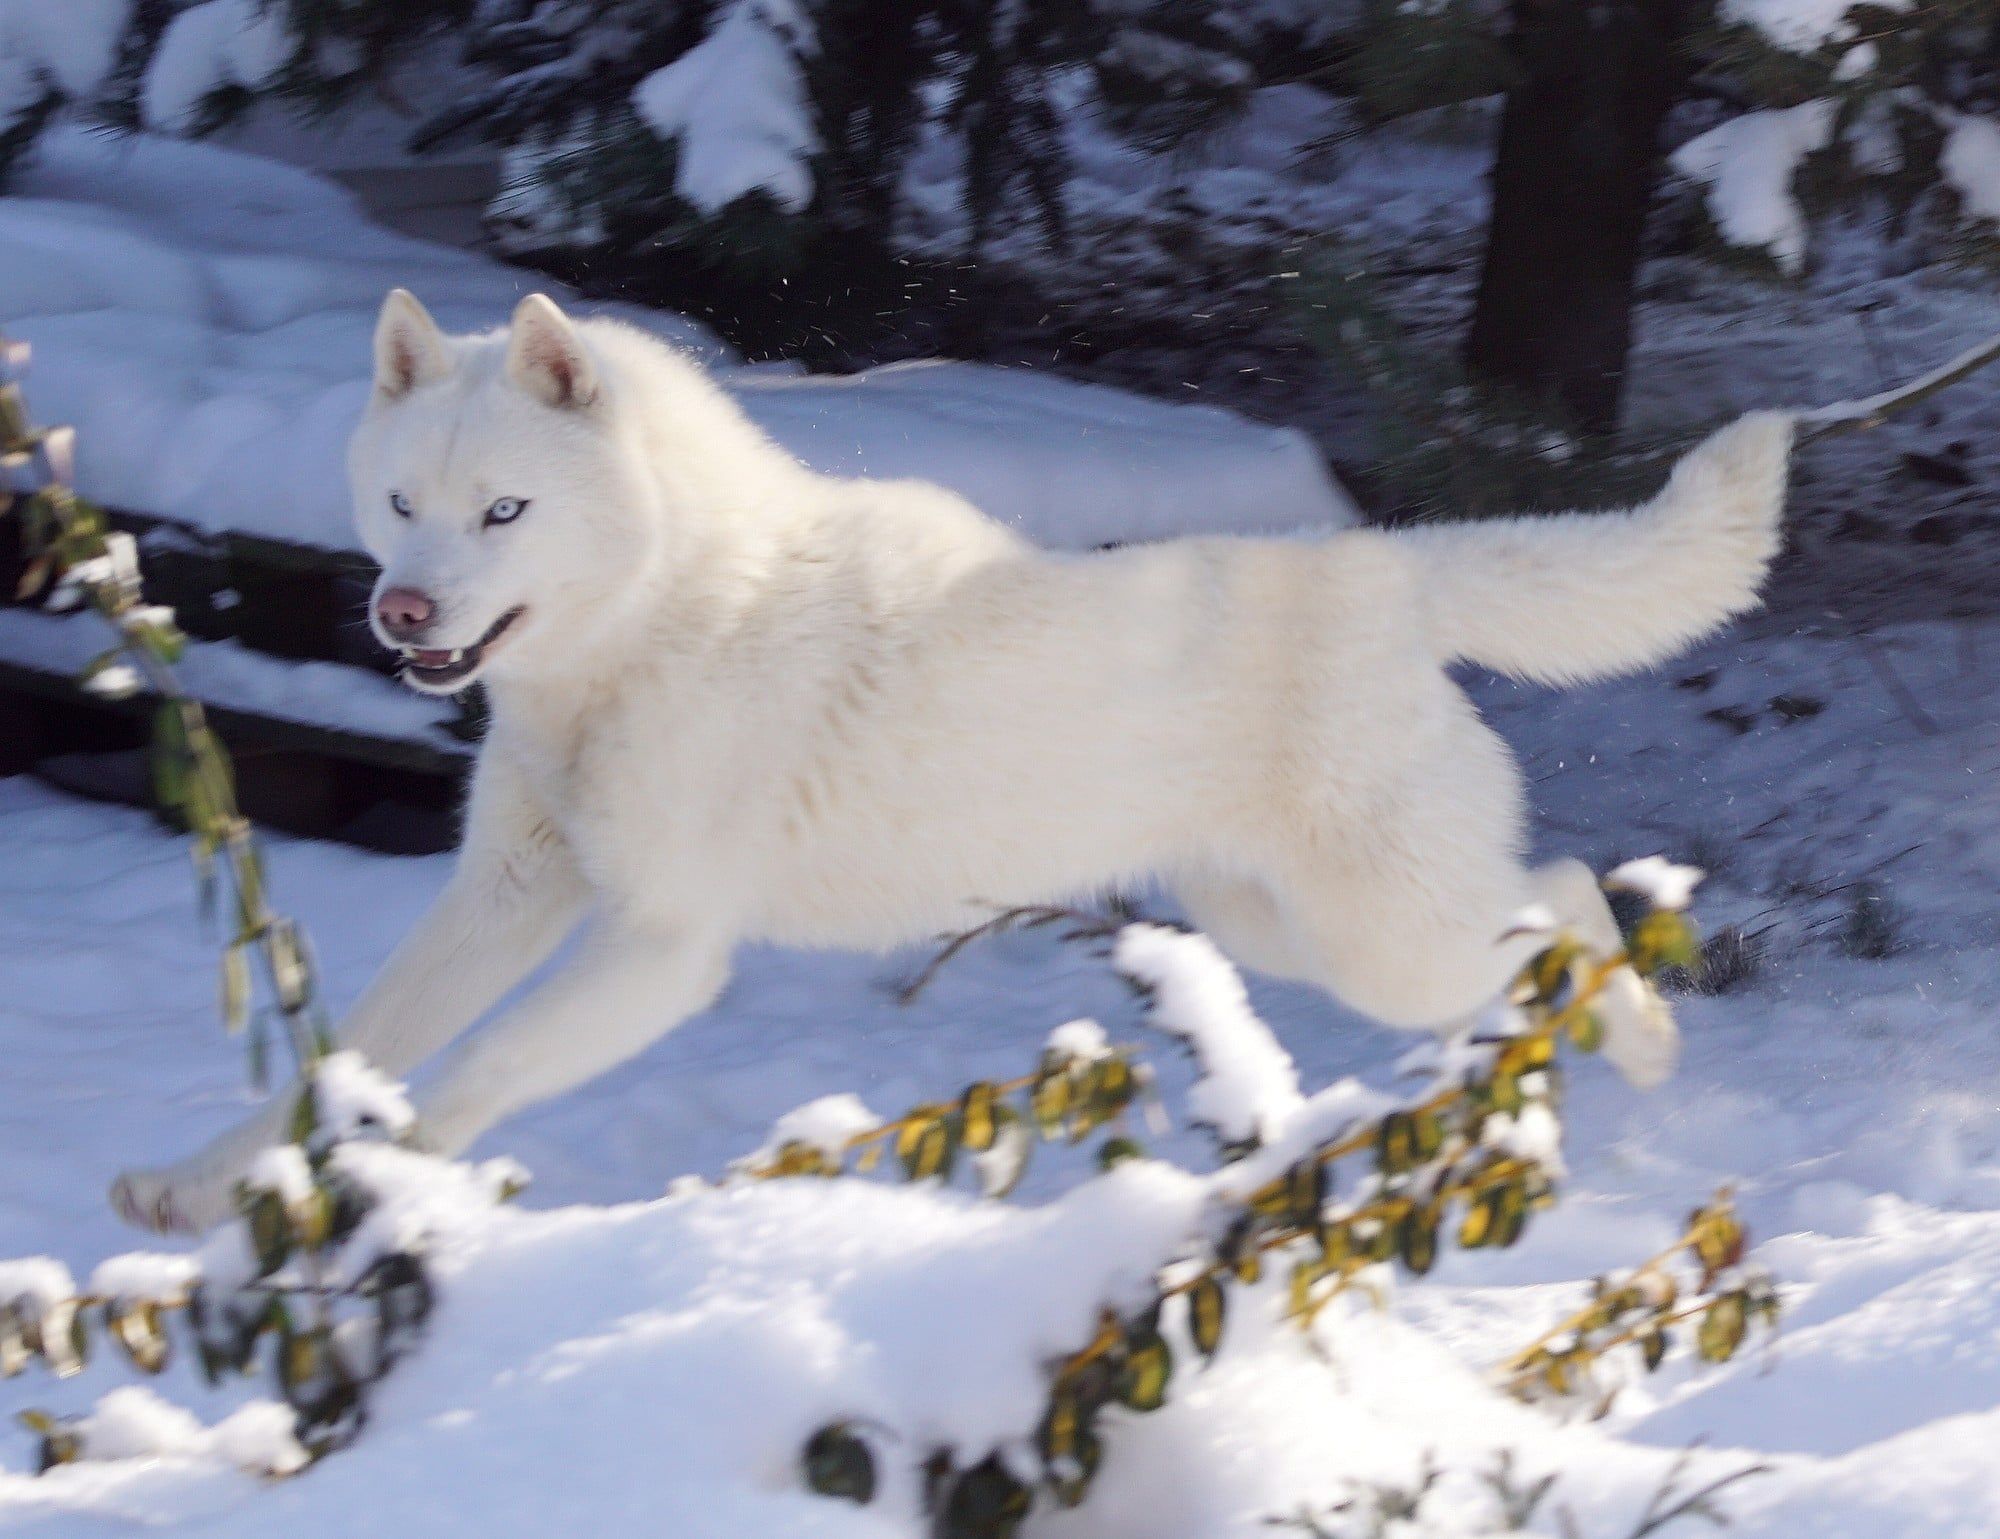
(1747, 166)
(282, 1170)
(1532, 1133)
(1970, 164)
(222, 43)
(1657, 879)
(826, 1124)
(134, 1423)
(154, 1277)
(1249, 1084)
(73, 44)
(40, 1281)
(1801, 26)
(351, 1098)
(1326, 1115)
(736, 103)
(1083, 1040)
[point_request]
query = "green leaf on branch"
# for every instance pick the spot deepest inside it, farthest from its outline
(1418, 1238)
(927, 1148)
(1721, 1330)
(1069, 1479)
(1206, 1311)
(986, 1502)
(1142, 1381)
(235, 988)
(135, 1326)
(978, 1113)
(839, 1464)
(1051, 1097)
(1664, 938)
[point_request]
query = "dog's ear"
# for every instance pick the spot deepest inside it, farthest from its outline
(546, 357)
(409, 349)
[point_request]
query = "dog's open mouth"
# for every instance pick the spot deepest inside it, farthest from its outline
(443, 668)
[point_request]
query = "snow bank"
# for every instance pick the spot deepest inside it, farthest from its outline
(203, 318)
(592, 1368)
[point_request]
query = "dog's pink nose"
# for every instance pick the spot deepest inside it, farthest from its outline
(404, 612)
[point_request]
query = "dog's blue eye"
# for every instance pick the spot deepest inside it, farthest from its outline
(506, 510)
(401, 504)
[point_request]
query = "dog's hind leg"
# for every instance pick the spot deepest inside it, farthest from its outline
(1403, 908)
(1640, 1037)
(1401, 942)
(1241, 916)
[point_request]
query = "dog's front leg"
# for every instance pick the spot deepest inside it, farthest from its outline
(515, 893)
(631, 986)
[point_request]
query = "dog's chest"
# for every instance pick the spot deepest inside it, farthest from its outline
(647, 791)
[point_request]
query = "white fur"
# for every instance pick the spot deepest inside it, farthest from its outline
(750, 702)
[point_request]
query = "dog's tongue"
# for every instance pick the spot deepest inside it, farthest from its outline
(432, 658)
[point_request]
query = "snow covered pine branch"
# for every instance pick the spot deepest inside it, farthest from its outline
(1866, 98)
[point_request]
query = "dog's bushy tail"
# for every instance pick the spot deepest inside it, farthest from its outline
(1577, 596)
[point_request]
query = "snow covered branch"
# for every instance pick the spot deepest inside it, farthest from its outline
(74, 559)
(1468, 1160)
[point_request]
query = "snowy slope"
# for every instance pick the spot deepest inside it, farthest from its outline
(682, 1344)
(202, 317)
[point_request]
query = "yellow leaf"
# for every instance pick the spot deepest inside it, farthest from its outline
(1206, 1310)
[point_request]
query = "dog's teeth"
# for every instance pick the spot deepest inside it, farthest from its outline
(457, 656)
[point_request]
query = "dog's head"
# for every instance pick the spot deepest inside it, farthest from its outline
(489, 485)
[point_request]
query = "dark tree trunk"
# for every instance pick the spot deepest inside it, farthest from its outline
(1578, 162)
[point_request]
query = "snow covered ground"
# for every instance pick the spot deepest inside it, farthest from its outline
(202, 317)
(659, 1360)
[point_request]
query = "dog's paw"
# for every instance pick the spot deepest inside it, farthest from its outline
(171, 1201)
(1640, 1037)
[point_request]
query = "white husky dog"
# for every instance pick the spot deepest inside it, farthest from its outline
(733, 699)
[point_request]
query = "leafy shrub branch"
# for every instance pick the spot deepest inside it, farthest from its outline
(74, 559)
(301, 1279)
(1466, 1162)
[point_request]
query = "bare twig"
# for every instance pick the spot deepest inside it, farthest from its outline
(1892, 681)
(1027, 916)
(1668, 1505)
(1873, 411)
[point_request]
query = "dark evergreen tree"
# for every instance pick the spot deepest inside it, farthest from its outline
(1579, 157)
(1886, 102)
